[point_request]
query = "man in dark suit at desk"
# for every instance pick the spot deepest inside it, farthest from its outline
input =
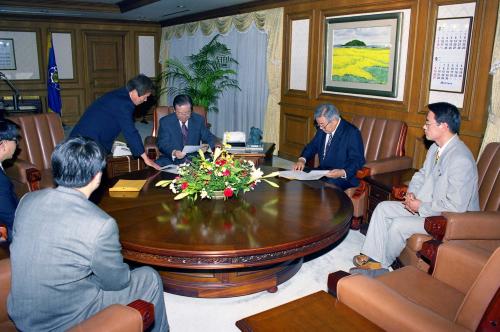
(180, 129)
(8, 199)
(113, 113)
(339, 147)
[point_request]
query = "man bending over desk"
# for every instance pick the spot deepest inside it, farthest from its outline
(65, 255)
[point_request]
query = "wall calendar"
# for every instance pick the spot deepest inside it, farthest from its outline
(451, 47)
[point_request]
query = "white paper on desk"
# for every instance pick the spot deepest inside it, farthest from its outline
(191, 148)
(303, 176)
(174, 169)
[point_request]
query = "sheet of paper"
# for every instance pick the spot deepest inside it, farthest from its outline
(128, 185)
(191, 148)
(174, 169)
(303, 176)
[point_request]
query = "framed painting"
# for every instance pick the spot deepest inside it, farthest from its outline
(7, 56)
(362, 54)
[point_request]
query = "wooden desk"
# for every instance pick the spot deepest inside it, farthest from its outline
(216, 248)
(258, 157)
(380, 186)
(318, 312)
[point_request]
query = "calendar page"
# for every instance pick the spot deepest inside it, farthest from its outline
(449, 61)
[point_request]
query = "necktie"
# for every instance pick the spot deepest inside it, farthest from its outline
(327, 145)
(184, 131)
(437, 157)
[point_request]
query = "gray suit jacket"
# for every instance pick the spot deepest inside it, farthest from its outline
(450, 184)
(64, 254)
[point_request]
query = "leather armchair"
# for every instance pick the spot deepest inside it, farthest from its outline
(135, 317)
(479, 228)
(460, 295)
(40, 133)
(384, 142)
(159, 112)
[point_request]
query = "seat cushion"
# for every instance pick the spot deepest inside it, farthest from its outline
(424, 290)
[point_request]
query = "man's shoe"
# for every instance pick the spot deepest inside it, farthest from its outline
(365, 262)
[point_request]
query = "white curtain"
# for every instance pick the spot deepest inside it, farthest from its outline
(238, 110)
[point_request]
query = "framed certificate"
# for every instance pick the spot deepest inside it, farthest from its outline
(7, 56)
(451, 49)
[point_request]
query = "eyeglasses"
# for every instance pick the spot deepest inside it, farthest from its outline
(183, 113)
(428, 124)
(323, 126)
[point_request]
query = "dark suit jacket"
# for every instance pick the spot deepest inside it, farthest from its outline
(106, 118)
(170, 135)
(8, 203)
(346, 152)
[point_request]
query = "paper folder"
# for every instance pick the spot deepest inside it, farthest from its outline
(127, 185)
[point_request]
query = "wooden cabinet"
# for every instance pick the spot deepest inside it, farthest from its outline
(380, 187)
(125, 164)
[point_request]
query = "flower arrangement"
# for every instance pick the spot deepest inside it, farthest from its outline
(207, 177)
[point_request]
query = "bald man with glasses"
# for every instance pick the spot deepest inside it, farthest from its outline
(339, 147)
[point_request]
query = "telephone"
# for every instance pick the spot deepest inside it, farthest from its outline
(120, 149)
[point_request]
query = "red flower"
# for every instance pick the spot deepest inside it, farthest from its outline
(228, 192)
(184, 185)
(226, 172)
(220, 162)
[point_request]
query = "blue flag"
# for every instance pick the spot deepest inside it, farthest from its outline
(53, 87)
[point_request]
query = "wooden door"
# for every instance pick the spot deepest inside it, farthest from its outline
(105, 65)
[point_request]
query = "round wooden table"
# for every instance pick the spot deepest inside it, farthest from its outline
(217, 248)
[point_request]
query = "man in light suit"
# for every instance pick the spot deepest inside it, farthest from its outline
(338, 145)
(179, 129)
(8, 199)
(66, 256)
(448, 181)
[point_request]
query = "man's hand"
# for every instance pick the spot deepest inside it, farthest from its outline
(149, 162)
(299, 165)
(204, 147)
(178, 154)
(3, 233)
(335, 173)
(411, 203)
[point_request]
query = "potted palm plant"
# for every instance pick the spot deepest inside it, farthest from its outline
(207, 75)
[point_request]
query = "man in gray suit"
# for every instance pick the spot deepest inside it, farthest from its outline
(65, 255)
(448, 181)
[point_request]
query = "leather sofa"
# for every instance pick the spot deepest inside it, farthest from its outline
(31, 169)
(384, 142)
(460, 295)
(135, 317)
(479, 228)
(159, 112)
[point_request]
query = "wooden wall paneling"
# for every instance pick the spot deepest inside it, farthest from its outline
(420, 43)
(72, 105)
(76, 80)
(295, 131)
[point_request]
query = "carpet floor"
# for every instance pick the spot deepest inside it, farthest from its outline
(187, 314)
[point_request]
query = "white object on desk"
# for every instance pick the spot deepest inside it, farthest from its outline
(120, 149)
(237, 137)
(191, 148)
(303, 176)
(174, 169)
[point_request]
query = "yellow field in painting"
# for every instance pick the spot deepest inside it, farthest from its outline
(354, 60)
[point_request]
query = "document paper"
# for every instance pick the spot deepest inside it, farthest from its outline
(191, 148)
(303, 176)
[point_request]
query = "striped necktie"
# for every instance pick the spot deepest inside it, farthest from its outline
(327, 145)
(184, 131)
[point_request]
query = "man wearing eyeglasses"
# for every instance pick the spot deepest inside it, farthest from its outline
(448, 181)
(8, 199)
(338, 145)
(180, 129)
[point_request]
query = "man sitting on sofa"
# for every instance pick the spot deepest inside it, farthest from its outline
(65, 254)
(448, 181)
(180, 129)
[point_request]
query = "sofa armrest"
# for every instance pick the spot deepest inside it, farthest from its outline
(5, 274)
(151, 148)
(388, 309)
(399, 192)
(388, 165)
(119, 317)
(25, 172)
(481, 225)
